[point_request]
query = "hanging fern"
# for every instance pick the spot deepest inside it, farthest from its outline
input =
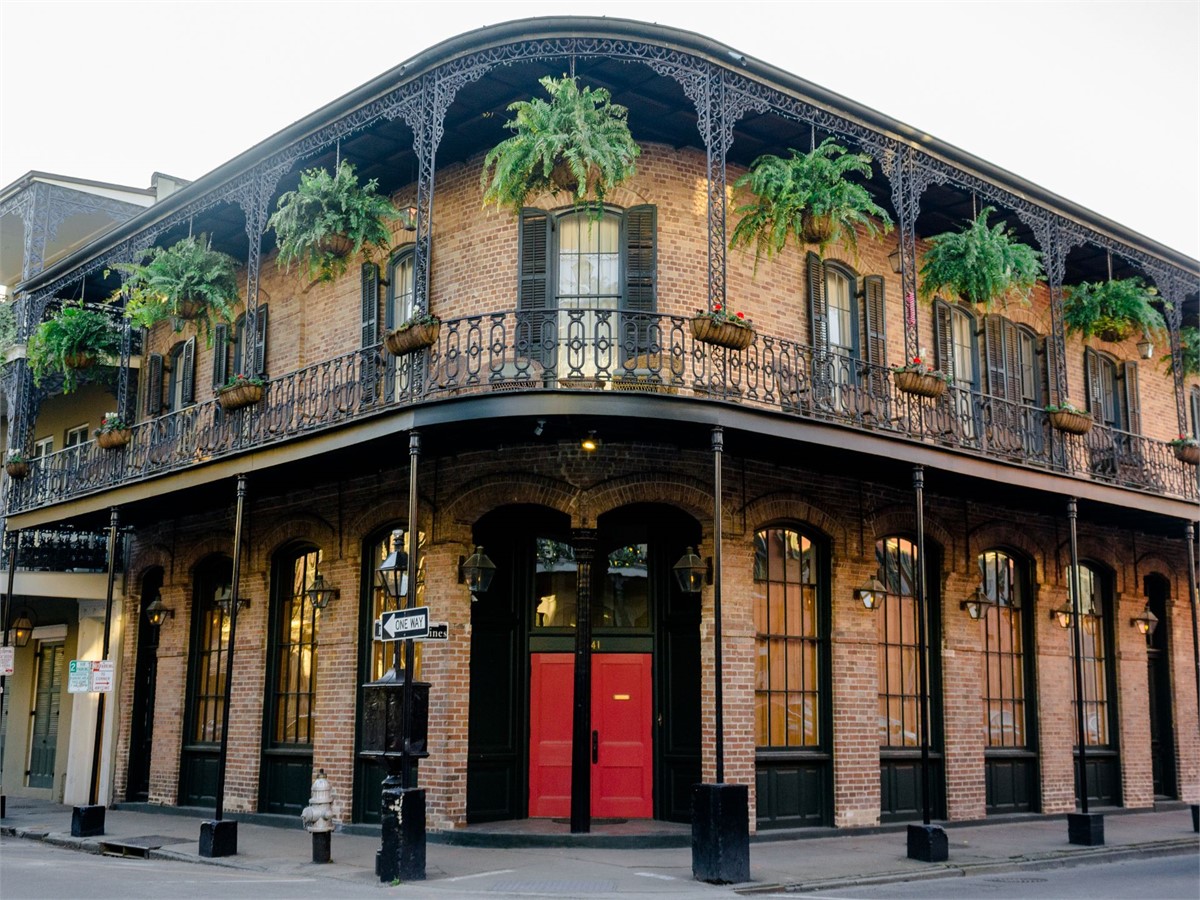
(1112, 309)
(71, 339)
(980, 264)
(324, 207)
(577, 142)
(790, 193)
(1189, 349)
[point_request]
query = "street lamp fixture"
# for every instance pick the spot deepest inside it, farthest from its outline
(319, 593)
(590, 443)
(692, 572)
(1146, 622)
(392, 574)
(977, 604)
(223, 598)
(157, 612)
(894, 259)
(871, 594)
(1063, 615)
(22, 628)
(476, 571)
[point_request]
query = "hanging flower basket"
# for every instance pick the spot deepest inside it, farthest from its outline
(1070, 421)
(922, 384)
(413, 337)
(17, 470)
(816, 229)
(1185, 453)
(728, 334)
(236, 396)
(190, 308)
(337, 244)
(112, 440)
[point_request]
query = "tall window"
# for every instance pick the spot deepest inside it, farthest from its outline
(181, 389)
(295, 650)
(1011, 364)
(1112, 391)
(383, 654)
(839, 296)
(211, 642)
(1094, 657)
(400, 287)
(788, 645)
(1004, 650)
(555, 584)
(899, 649)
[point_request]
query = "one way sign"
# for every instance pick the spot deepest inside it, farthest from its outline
(404, 623)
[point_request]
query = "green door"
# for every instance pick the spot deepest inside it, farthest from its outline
(46, 703)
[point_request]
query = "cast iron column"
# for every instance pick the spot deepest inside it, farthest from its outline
(15, 538)
(1082, 827)
(218, 837)
(1190, 533)
(582, 736)
(718, 447)
(410, 602)
(926, 842)
(88, 821)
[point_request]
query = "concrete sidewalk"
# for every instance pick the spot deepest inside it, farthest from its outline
(816, 859)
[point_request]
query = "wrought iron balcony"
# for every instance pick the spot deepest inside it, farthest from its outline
(604, 351)
(61, 550)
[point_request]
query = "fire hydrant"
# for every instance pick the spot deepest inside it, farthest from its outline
(318, 817)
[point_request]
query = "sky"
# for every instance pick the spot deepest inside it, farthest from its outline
(1096, 101)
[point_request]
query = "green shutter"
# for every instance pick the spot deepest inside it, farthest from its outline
(639, 288)
(154, 382)
(943, 337)
(535, 325)
(261, 317)
(993, 352)
(1195, 410)
(818, 311)
(875, 331)
(220, 355)
(187, 360)
(370, 304)
(1095, 385)
(1133, 404)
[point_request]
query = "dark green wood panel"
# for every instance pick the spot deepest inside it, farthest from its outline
(198, 777)
(900, 789)
(1011, 784)
(286, 781)
(793, 793)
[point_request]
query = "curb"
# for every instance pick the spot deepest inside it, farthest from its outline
(1054, 860)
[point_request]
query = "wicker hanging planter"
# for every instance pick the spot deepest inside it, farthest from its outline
(1071, 422)
(1114, 334)
(239, 395)
(111, 440)
(17, 470)
(1185, 453)
(922, 384)
(816, 229)
(190, 308)
(337, 244)
(79, 361)
(721, 334)
(414, 337)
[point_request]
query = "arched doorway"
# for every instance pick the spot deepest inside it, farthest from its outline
(1158, 682)
(644, 658)
(141, 731)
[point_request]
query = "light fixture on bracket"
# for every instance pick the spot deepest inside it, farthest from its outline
(871, 594)
(319, 593)
(1146, 622)
(590, 443)
(157, 612)
(977, 604)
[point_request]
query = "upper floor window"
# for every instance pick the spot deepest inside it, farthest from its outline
(229, 347)
(1112, 391)
(846, 315)
(76, 436)
(1011, 361)
(181, 384)
(43, 447)
(957, 351)
(401, 290)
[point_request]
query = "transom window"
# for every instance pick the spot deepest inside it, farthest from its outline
(1004, 650)
(624, 597)
(76, 436)
(555, 581)
(789, 649)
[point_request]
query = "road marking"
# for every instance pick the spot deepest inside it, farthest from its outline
(480, 875)
(655, 875)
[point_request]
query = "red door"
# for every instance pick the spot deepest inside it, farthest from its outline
(622, 766)
(622, 762)
(551, 688)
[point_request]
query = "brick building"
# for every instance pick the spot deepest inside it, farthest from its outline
(818, 454)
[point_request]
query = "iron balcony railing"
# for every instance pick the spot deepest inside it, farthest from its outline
(604, 351)
(61, 550)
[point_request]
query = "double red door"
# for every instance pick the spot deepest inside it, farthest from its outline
(620, 750)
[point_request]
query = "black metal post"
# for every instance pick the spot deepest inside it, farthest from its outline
(926, 842)
(12, 569)
(410, 602)
(1082, 827)
(218, 837)
(1190, 533)
(88, 821)
(581, 731)
(720, 811)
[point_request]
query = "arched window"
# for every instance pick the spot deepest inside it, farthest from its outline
(899, 648)
(1094, 658)
(1003, 628)
(181, 386)
(790, 642)
(400, 293)
(294, 648)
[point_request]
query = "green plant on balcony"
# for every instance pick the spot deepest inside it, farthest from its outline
(1111, 310)
(980, 265)
(919, 377)
(420, 331)
(809, 197)
(328, 219)
(16, 463)
(577, 142)
(1189, 352)
(186, 282)
(1069, 418)
(114, 432)
(1186, 449)
(239, 391)
(722, 327)
(71, 340)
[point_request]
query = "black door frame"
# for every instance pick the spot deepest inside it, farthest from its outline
(141, 731)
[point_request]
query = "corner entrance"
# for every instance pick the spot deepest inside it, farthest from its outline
(622, 756)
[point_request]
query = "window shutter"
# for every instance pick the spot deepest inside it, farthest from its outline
(638, 293)
(993, 352)
(370, 304)
(1095, 386)
(874, 321)
(154, 384)
(187, 362)
(818, 310)
(1196, 411)
(1049, 382)
(1133, 404)
(536, 325)
(261, 317)
(1012, 361)
(220, 355)
(943, 338)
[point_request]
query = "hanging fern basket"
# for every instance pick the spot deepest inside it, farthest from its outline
(921, 384)
(16, 470)
(115, 439)
(79, 361)
(721, 334)
(337, 244)
(1071, 422)
(190, 308)
(1115, 333)
(816, 229)
(415, 337)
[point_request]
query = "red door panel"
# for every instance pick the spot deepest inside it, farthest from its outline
(622, 774)
(551, 689)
